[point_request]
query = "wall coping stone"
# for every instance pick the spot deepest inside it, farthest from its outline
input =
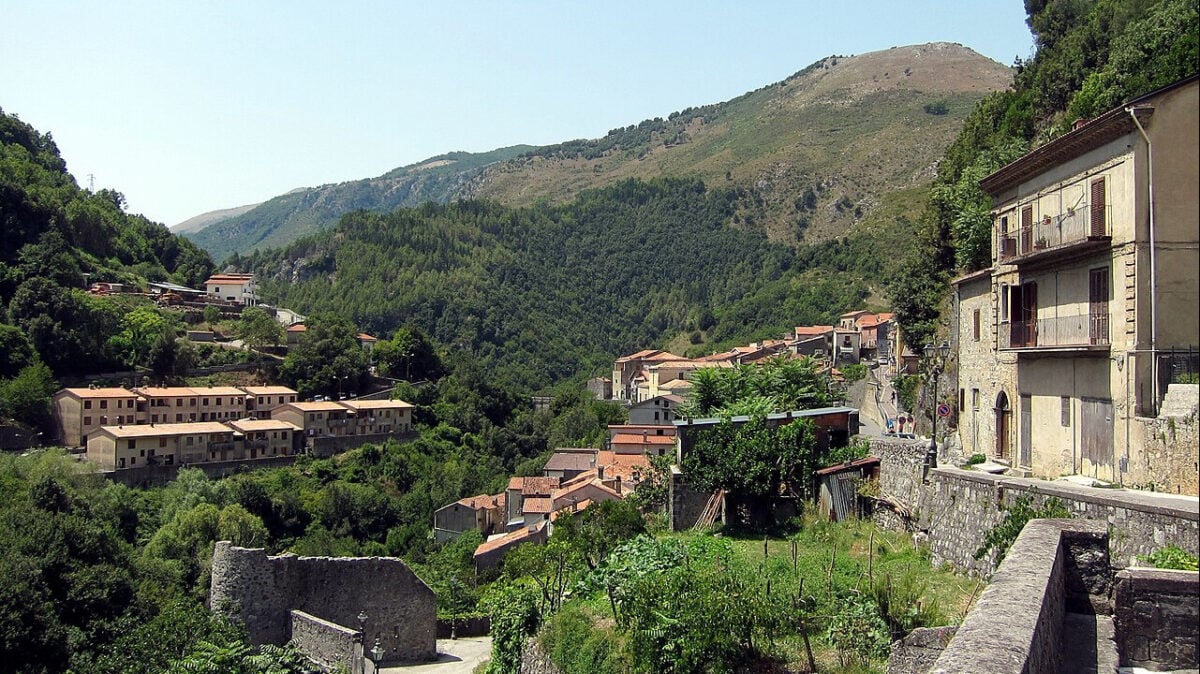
(1172, 581)
(1182, 507)
(1017, 622)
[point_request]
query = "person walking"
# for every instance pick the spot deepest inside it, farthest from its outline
(891, 426)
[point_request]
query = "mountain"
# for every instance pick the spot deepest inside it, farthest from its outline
(287, 217)
(199, 222)
(810, 156)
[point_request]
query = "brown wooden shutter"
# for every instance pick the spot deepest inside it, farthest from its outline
(1098, 225)
(1026, 229)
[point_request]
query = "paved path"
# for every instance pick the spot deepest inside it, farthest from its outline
(455, 656)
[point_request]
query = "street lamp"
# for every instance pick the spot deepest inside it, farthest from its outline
(362, 625)
(935, 359)
(376, 653)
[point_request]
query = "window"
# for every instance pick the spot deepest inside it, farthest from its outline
(87, 404)
(162, 442)
(975, 399)
(179, 402)
(205, 402)
(178, 418)
(975, 325)
(218, 401)
(1065, 404)
(191, 440)
(1097, 213)
(1004, 302)
(103, 404)
(87, 421)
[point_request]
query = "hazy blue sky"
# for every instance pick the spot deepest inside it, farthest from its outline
(192, 106)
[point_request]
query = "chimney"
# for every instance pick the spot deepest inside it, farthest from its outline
(618, 484)
(600, 472)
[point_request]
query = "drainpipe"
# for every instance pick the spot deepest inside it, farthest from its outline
(1153, 264)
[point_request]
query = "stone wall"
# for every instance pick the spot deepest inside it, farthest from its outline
(328, 445)
(1156, 615)
(401, 609)
(157, 476)
(1017, 624)
(535, 661)
(327, 644)
(1170, 454)
(958, 507)
(686, 504)
(900, 467)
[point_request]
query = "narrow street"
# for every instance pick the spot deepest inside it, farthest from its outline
(455, 656)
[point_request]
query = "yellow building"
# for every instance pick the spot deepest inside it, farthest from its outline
(1062, 342)
(82, 411)
(120, 447)
(262, 438)
(261, 400)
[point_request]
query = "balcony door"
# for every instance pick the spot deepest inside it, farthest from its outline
(1098, 294)
(1023, 313)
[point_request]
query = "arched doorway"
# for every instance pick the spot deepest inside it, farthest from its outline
(1003, 426)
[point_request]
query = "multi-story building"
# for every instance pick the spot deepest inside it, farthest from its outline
(630, 372)
(262, 438)
(119, 447)
(379, 416)
(80, 412)
(234, 288)
(180, 404)
(1064, 343)
(261, 400)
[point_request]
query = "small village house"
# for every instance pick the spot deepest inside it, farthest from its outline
(232, 288)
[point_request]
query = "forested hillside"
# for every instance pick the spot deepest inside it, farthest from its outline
(287, 217)
(556, 291)
(54, 237)
(1091, 57)
(810, 156)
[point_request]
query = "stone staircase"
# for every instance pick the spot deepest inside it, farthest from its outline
(1182, 400)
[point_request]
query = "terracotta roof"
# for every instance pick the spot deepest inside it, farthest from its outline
(364, 337)
(536, 504)
(691, 364)
(852, 314)
(482, 501)
(640, 439)
(537, 486)
(110, 392)
(325, 406)
(155, 430)
(511, 538)
(250, 425)
(623, 465)
(812, 330)
(218, 391)
(269, 390)
(676, 384)
(299, 327)
(594, 482)
(376, 404)
(516, 483)
(166, 391)
(230, 279)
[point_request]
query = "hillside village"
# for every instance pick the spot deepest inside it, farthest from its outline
(894, 366)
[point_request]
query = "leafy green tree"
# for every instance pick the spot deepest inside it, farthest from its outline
(27, 396)
(328, 360)
(754, 459)
(594, 531)
(408, 354)
(16, 351)
(258, 329)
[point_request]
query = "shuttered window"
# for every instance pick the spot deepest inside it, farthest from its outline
(1098, 209)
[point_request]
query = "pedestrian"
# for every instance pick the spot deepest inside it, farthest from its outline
(912, 424)
(900, 419)
(891, 426)
(893, 397)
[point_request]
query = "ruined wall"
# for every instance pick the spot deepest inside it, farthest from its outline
(329, 645)
(958, 507)
(263, 590)
(1156, 615)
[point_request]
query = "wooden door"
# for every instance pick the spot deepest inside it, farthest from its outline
(1003, 422)
(1098, 294)
(1096, 428)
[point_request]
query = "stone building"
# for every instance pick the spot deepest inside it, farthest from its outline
(263, 592)
(1068, 342)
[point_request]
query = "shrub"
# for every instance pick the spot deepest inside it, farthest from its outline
(1016, 516)
(1172, 557)
(976, 459)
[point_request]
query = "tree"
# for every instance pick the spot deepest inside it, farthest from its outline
(257, 328)
(27, 396)
(328, 360)
(594, 531)
(16, 351)
(147, 339)
(408, 354)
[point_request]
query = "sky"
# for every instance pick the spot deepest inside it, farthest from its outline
(188, 107)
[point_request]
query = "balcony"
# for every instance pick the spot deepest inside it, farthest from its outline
(1079, 230)
(1083, 332)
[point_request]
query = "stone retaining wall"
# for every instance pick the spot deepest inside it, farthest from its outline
(1017, 624)
(327, 644)
(1156, 614)
(157, 476)
(958, 508)
(535, 661)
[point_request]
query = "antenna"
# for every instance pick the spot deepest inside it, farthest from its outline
(91, 182)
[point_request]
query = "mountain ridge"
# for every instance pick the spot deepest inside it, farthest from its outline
(841, 128)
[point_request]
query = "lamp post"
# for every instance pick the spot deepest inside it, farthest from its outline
(935, 358)
(362, 625)
(376, 654)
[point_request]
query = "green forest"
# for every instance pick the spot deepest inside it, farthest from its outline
(543, 294)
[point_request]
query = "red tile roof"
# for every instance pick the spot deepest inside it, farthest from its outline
(512, 538)
(813, 330)
(538, 505)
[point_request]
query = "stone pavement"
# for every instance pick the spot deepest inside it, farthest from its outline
(455, 656)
